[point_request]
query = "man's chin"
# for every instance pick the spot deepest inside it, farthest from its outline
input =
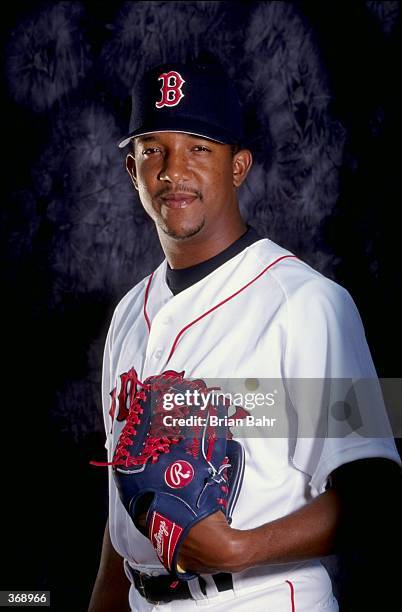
(182, 233)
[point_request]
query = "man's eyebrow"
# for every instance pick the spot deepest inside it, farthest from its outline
(199, 137)
(145, 138)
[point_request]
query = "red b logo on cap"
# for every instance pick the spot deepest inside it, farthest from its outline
(179, 474)
(172, 83)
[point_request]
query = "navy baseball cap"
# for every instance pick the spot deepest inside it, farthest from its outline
(195, 98)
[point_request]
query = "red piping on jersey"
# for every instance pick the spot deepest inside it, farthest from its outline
(224, 302)
(146, 301)
(292, 595)
(181, 332)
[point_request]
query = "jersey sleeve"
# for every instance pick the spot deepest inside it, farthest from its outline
(333, 389)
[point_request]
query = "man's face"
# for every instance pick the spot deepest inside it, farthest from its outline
(186, 183)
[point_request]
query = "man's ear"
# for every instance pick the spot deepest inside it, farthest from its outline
(131, 169)
(242, 161)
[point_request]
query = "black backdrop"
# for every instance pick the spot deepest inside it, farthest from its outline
(320, 85)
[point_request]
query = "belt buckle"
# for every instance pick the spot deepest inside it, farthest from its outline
(144, 591)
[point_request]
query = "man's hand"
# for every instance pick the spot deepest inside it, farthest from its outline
(212, 546)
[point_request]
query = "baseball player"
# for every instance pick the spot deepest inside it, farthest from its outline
(228, 304)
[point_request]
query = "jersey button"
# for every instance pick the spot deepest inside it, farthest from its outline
(158, 354)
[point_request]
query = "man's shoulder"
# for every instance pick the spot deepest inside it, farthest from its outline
(294, 276)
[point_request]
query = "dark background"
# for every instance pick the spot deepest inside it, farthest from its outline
(320, 85)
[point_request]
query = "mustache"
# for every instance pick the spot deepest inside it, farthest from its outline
(178, 189)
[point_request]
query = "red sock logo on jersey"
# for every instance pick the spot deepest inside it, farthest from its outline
(126, 397)
(172, 82)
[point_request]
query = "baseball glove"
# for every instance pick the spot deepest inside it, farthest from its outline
(180, 471)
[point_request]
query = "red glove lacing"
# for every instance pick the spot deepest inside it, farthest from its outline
(160, 437)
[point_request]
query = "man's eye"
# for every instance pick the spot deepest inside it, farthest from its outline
(150, 150)
(201, 148)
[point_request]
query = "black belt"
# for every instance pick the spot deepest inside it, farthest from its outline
(163, 589)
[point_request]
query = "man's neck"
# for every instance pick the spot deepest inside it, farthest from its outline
(182, 278)
(195, 250)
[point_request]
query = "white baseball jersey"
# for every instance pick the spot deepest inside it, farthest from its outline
(264, 314)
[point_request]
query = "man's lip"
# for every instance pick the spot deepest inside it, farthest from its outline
(179, 200)
(179, 196)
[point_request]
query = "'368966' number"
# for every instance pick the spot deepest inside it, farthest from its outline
(27, 598)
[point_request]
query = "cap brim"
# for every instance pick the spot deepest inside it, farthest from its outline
(125, 142)
(185, 125)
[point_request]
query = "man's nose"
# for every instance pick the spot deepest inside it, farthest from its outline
(174, 168)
